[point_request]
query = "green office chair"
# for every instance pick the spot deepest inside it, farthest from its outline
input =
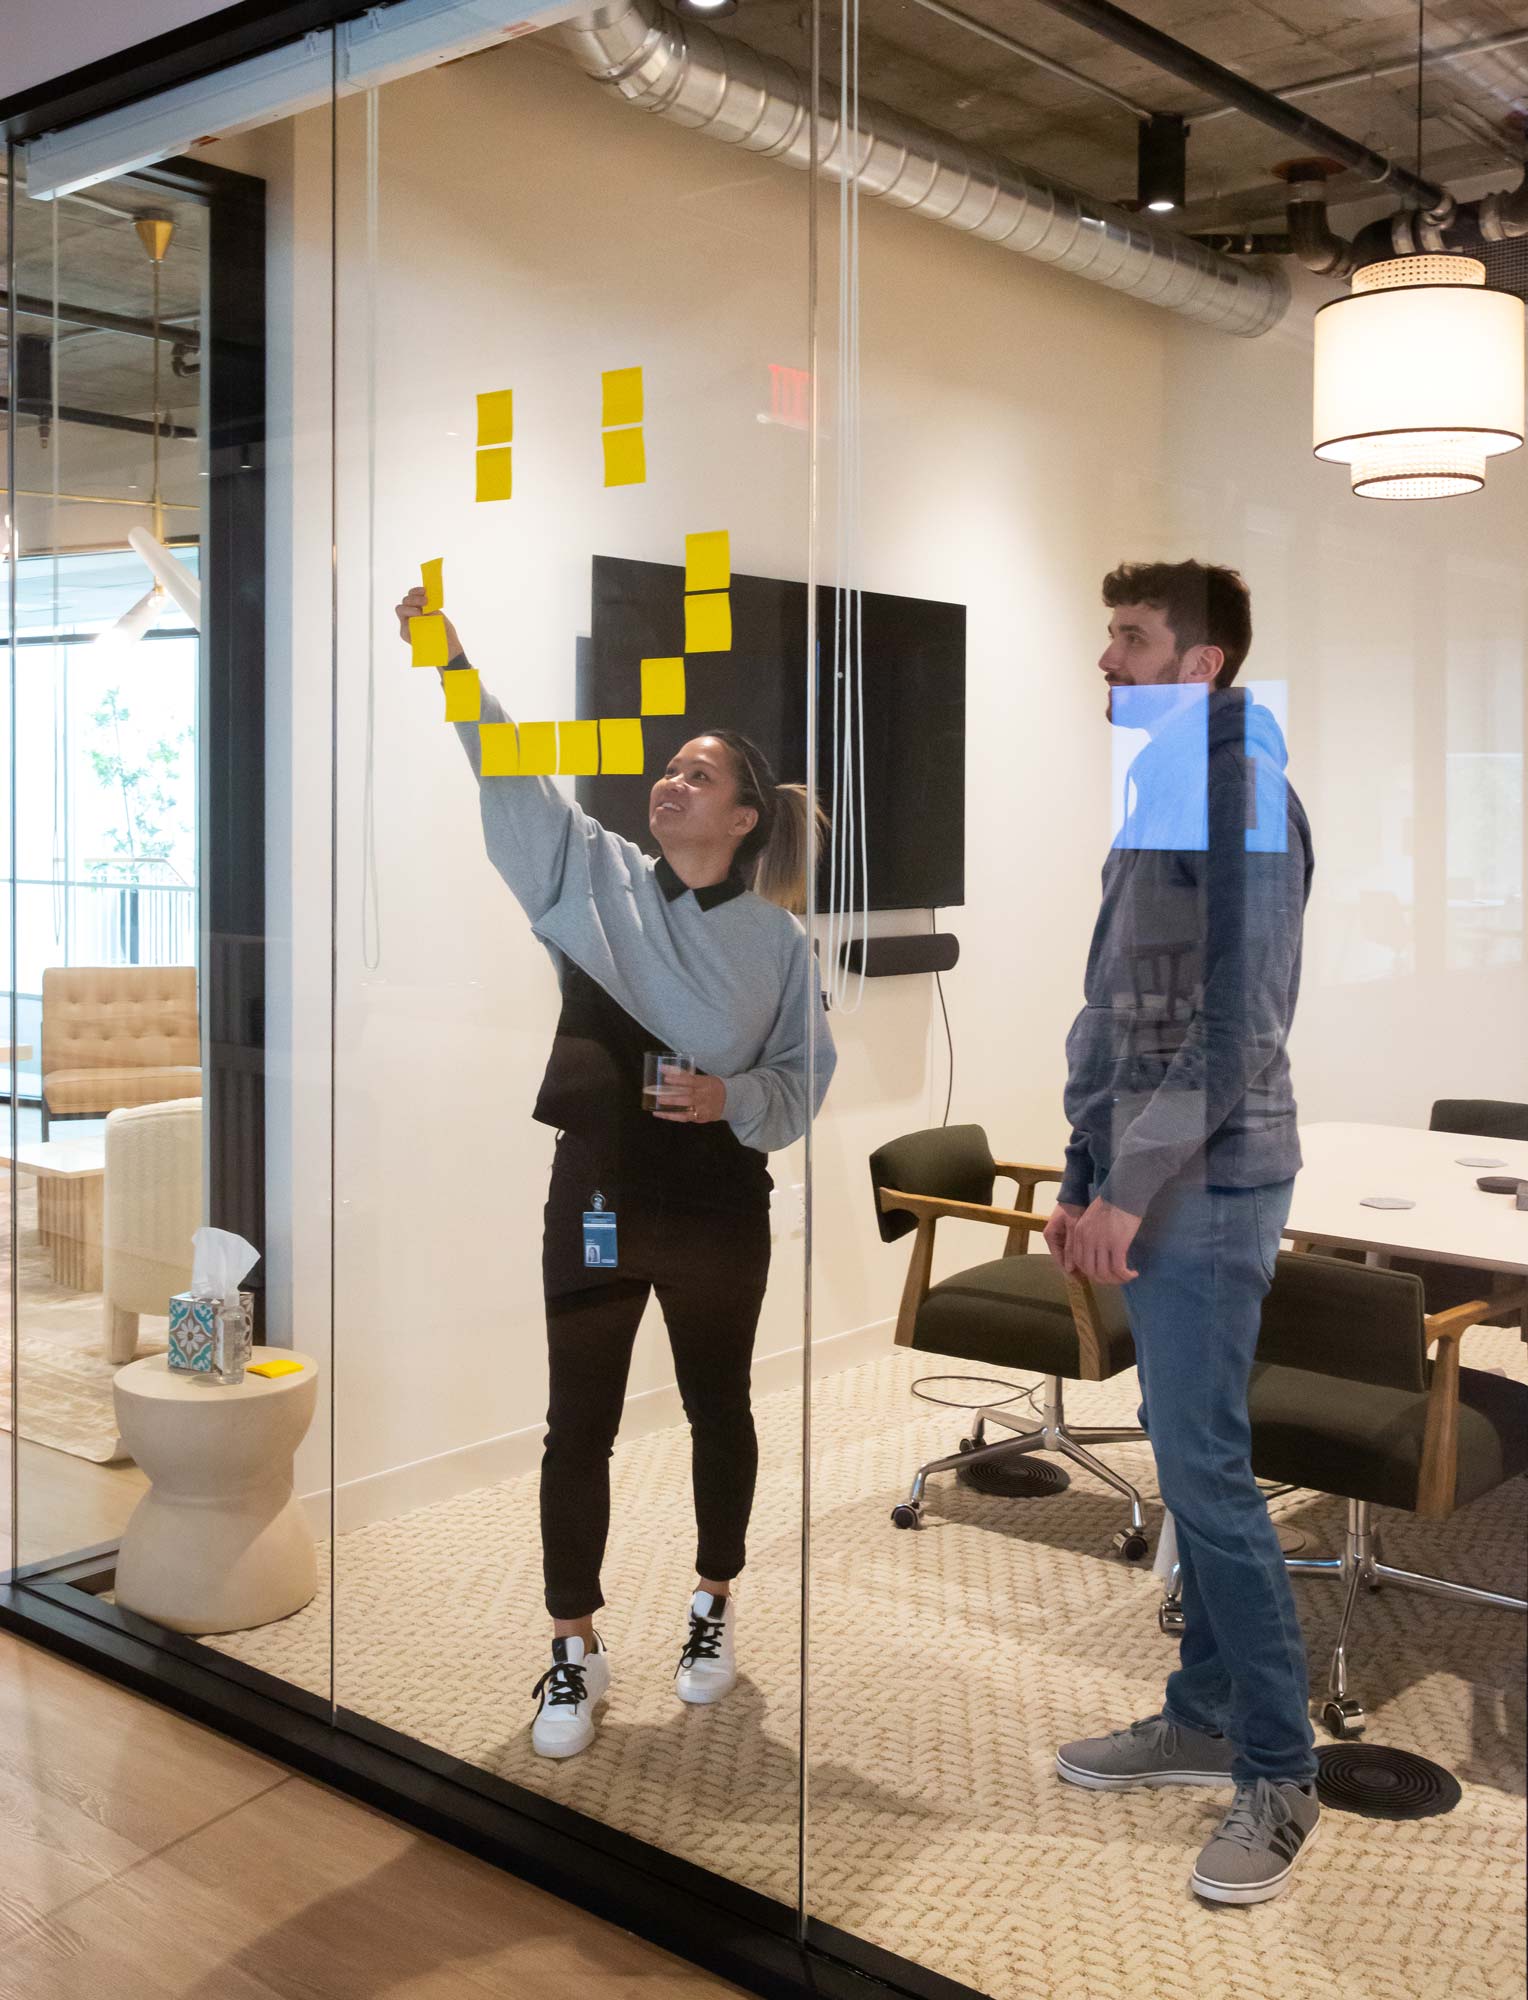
(1018, 1312)
(1449, 1285)
(1344, 1400)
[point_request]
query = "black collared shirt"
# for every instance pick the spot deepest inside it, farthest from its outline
(709, 897)
(592, 1091)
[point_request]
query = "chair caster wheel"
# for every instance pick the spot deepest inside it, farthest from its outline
(1170, 1619)
(1130, 1545)
(967, 1444)
(1343, 1719)
(906, 1515)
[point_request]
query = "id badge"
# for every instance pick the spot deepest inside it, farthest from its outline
(599, 1236)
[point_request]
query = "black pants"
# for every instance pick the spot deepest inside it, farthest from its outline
(709, 1269)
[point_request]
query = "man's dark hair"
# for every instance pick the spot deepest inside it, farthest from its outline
(1203, 604)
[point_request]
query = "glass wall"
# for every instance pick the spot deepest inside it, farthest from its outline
(608, 478)
(107, 410)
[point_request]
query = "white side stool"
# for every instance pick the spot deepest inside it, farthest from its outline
(218, 1543)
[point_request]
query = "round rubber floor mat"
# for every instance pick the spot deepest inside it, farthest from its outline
(1024, 1479)
(1381, 1783)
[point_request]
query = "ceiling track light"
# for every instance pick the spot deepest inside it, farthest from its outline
(1162, 162)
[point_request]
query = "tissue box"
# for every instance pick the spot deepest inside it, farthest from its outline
(207, 1338)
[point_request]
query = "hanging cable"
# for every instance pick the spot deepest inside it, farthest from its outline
(371, 913)
(848, 863)
(58, 865)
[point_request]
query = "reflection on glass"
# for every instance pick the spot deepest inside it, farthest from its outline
(107, 1164)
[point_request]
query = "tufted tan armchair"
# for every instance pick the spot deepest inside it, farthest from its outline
(115, 1035)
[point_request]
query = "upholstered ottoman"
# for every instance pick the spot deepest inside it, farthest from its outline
(218, 1543)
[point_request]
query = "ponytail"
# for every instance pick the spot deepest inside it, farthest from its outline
(774, 857)
(781, 875)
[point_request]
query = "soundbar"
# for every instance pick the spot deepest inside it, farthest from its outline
(886, 957)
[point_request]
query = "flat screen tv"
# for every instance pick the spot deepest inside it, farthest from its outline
(914, 710)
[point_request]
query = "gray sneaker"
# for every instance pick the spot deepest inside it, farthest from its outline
(1269, 1828)
(1153, 1752)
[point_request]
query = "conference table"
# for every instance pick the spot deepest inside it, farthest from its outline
(1451, 1221)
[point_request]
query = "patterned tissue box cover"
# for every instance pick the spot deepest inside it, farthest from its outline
(198, 1344)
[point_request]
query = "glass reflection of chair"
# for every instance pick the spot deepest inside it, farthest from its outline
(1018, 1312)
(1344, 1400)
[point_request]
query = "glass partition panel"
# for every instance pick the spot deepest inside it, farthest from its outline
(1023, 460)
(573, 466)
(157, 1070)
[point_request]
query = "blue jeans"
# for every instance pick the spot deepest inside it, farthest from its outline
(1205, 1256)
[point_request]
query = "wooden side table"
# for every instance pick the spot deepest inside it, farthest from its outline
(218, 1543)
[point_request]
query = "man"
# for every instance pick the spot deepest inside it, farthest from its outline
(1177, 1185)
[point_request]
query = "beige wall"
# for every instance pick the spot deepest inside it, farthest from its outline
(1023, 431)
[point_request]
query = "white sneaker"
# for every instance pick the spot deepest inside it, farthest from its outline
(569, 1690)
(708, 1665)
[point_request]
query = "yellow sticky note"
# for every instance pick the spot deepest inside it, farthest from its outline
(621, 747)
(464, 695)
(663, 687)
(495, 473)
(274, 1368)
(578, 749)
(538, 749)
(434, 575)
(622, 400)
(496, 417)
(496, 747)
(625, 458)
(708, 561)
(428, 637)
(708, 623)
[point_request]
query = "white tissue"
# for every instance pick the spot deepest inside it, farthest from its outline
(220, 1261)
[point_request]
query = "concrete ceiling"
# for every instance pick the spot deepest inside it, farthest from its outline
(84, 250)
(950, 78)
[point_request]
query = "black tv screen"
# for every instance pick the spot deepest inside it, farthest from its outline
(914, 711)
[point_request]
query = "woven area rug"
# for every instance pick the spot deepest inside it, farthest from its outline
(66, 1399)
(945, 1667)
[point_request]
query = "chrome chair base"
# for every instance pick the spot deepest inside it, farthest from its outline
(1050, 1434)
(1360, 1564)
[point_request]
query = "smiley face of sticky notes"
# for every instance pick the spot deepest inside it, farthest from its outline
(427, 639)
(464, 695)
(708, 623)
(625, 458)
(621, 746)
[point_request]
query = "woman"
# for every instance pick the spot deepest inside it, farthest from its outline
(697, 953)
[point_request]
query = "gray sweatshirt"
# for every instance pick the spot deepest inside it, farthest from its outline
(730, 985)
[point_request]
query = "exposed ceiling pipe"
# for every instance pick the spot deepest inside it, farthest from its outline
(1179, 60)
(680, 70)
(1037, 57)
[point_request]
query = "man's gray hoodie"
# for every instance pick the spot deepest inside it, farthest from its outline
(1177, 1064)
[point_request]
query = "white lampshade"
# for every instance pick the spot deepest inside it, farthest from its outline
(1419, 378)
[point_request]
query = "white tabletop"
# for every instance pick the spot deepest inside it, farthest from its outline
(70, 1159)
(1453, 1221)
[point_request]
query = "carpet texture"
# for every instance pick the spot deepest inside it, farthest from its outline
(945, 1667)
(66, 1397)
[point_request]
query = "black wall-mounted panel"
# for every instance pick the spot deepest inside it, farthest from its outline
(914, 711)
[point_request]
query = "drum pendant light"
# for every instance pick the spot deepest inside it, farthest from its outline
(1419, 378)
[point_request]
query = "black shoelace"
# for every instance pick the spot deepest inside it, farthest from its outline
(564, 1684)
(704, 1642)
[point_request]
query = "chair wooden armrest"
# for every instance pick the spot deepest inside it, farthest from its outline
(929, 1209)
(1027, 1178)
(1439, 1476)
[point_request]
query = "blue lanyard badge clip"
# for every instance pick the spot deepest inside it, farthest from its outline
(599, 1235)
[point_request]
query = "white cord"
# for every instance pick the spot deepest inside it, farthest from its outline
(371, 915)
(848, 866)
